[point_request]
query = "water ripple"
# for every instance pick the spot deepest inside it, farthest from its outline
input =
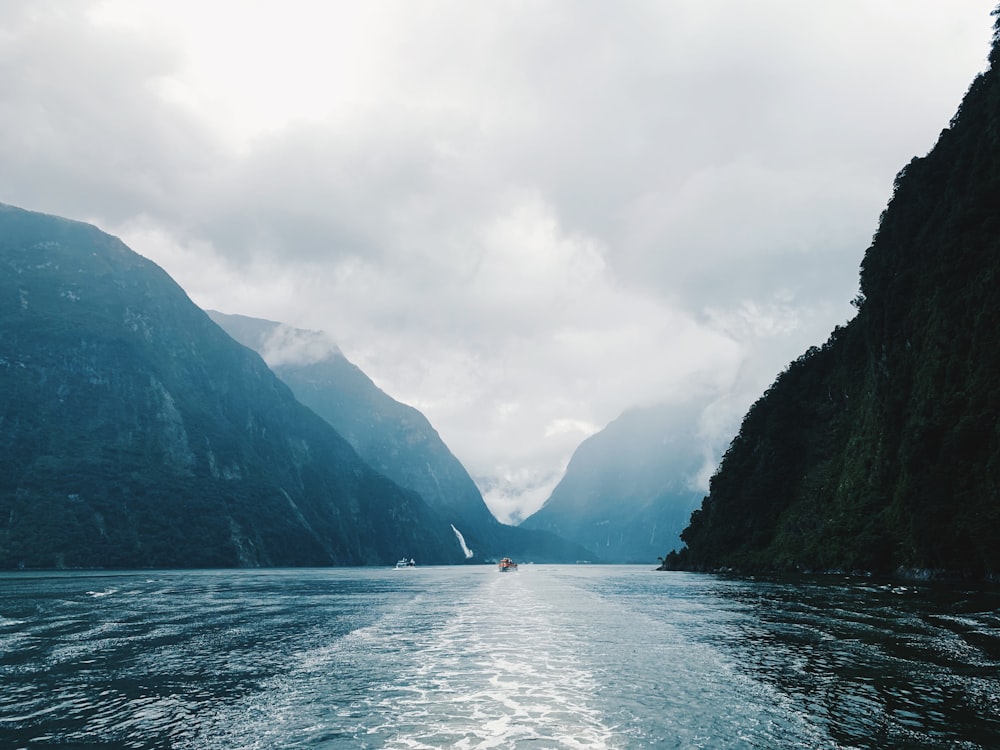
(551, 657)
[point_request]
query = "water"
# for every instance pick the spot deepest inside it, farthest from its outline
(465, 657)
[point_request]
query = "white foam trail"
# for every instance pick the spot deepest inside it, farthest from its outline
(461, 540)
(503, 671)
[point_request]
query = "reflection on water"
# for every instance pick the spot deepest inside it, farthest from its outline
(550, 657)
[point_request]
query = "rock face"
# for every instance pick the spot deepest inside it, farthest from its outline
(628, 490)
(394, 438)
(134, 432)
(880, 450)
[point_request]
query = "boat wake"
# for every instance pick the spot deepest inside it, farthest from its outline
(503, 672)
(486, 663)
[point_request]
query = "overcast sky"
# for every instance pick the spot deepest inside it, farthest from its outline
(520, 217)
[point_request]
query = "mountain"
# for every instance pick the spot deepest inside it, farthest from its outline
(135, 433)
(394, 438)
(627, 492)
(880, 450)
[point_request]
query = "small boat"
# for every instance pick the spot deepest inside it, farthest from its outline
(404, 564)
(507, 565)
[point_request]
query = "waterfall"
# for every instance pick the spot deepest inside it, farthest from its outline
(461, 540)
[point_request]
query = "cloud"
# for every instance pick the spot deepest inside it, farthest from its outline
(577, 426)
(287, 345)
(521, 218)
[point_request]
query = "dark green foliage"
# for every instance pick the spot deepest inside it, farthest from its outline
(134, 432)
(880, 451)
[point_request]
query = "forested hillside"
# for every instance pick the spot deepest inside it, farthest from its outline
(880, 450)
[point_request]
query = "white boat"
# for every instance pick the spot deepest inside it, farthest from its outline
(404, 564)
(507, 565)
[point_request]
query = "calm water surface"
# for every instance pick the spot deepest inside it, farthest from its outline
(465, 657)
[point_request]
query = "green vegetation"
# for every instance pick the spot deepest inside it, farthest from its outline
(880, 450)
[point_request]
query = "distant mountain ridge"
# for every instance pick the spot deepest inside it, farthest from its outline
(394, 438)
(135, 433)
(880, 450)
(628, 490)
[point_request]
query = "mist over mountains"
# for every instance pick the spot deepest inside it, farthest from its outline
(879, 451)
(627, 493)
(629, 490)
(135, 433)
(394, 438)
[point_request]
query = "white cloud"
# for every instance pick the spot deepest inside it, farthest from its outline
(578, 427)
(287, 345)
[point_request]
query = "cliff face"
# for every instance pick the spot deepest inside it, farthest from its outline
(134, 432)
(880, 450)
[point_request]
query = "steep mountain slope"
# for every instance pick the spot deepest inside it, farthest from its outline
(394, 438)
(135, 432)
(627, 492)
(880, 451)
